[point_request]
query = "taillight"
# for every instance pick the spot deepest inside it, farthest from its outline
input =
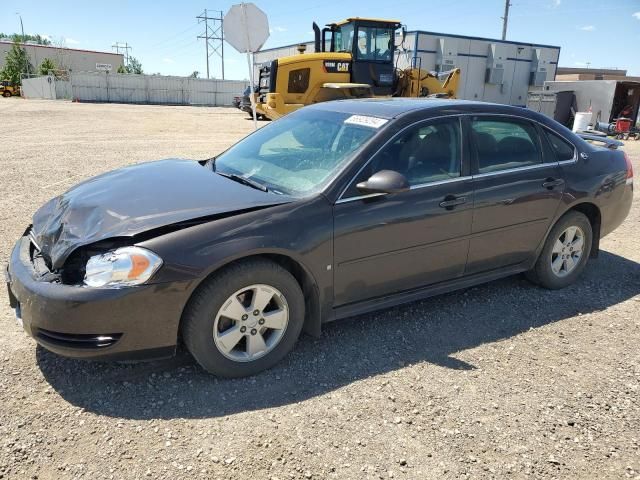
(629, 168)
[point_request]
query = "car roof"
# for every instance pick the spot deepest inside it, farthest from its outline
(394, 107)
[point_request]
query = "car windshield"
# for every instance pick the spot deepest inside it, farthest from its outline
(300, 153)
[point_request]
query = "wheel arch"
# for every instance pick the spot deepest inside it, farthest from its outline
(307, 282)
(593, 213)
(309, 286)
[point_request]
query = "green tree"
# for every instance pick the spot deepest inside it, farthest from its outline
(16, 37)
(195, 74)
(134, 66)
(16, 62)
(46, 66)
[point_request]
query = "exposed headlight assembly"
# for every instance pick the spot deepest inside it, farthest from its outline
(122, 267)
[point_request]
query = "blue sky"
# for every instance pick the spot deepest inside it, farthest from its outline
(602, 33)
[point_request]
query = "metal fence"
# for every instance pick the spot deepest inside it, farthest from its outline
(128, 88)
(46, 87)
(153, 89)
(39, 87)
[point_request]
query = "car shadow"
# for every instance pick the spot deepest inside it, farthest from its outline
(431, 330)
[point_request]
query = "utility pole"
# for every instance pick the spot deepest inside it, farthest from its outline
(124, 46)
(505, 19)
(21, 26)
(26, 66)
(213, 36)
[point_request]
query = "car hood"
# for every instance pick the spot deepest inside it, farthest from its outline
(138, 198)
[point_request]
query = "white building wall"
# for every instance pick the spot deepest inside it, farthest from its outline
(67, 58)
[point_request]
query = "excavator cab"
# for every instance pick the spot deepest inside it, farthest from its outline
(371, 43)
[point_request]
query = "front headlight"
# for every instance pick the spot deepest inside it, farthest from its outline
(121, 267)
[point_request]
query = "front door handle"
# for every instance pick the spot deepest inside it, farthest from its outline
(450, 201)
(552, 182)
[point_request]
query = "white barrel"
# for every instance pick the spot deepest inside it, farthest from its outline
(582, 121)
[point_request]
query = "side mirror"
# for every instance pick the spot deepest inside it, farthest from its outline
(384, 181)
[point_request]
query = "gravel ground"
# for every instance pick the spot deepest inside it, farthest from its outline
(501, 380)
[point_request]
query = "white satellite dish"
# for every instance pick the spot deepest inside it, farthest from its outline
(246, 28)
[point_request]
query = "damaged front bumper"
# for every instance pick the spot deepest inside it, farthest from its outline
(94, 323)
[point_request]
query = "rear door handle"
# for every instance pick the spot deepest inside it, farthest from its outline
(553, 182)
(450, 201)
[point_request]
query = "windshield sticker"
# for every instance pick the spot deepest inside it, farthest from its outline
(365, 121)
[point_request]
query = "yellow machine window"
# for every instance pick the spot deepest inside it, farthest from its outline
(375, 44)
(299, 80)
(344, 38)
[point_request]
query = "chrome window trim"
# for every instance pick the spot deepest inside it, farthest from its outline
(572, 161)
(412, 187)
(440, 182)
(360, 197)
(514, 170)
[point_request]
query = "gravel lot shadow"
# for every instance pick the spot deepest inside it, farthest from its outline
(431, 330)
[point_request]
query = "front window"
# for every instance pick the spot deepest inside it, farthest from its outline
(301, 153)
(374, 43)
(344, 38)
(425, 153)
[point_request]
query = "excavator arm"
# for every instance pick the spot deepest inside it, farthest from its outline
(415, 82)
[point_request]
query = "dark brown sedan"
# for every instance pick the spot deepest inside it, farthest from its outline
(337, 209)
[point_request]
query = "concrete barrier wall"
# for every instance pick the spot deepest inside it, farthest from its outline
(153, 89)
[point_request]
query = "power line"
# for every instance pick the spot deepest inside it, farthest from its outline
(123, 46)
(173, 37)
(213, 36)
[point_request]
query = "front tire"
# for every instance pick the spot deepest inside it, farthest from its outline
(565, 252)
(245, 319)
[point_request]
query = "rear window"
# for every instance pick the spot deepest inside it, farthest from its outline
(563, 150)
(503, 144)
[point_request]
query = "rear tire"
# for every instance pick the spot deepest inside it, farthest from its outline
(220, 324)
(565, 252)
(6, 94)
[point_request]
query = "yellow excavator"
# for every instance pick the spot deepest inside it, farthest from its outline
(7, 89)
(353, 58)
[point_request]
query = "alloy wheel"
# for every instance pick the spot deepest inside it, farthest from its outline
(567, 251)
(251, 322)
